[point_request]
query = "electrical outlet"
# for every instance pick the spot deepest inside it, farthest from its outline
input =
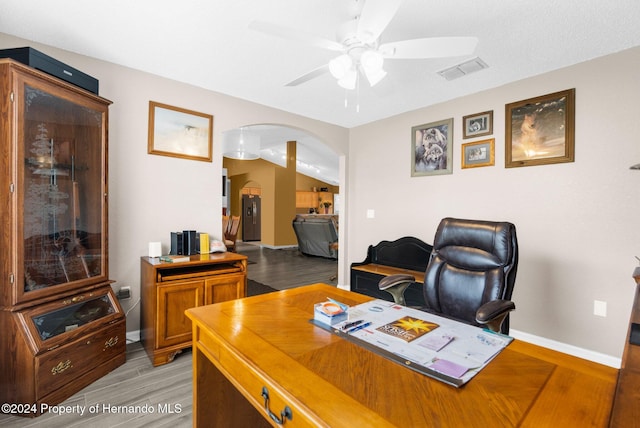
(124, 293)
(600, 308)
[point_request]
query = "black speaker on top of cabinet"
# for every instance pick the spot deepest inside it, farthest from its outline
(42, 62)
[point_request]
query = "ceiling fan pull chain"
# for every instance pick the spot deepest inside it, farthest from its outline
(358, 93)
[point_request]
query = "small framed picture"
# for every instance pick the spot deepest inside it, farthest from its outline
(432, 148)
(478, 153)
(179, 133)
(540, 130)
(477, 125)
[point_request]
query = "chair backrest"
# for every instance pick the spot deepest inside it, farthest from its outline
(472, 262)
(225, 225)
(232, 232)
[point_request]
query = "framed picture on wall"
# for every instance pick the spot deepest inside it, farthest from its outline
(431, 148)
(478, 153)
(180, 133)
(477, 125)
(540, 130)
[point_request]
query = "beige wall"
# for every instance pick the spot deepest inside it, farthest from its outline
(577, 223)
(150, 195)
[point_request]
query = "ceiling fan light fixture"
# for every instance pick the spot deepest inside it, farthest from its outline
(340, 66)
(349, 79)
(371, 61)
(374, 77)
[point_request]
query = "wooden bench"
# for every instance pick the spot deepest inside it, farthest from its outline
(406, 255)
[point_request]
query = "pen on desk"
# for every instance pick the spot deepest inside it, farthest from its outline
(348, 325)
(360, 327)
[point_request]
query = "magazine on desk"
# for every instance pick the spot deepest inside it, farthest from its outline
(448, 350)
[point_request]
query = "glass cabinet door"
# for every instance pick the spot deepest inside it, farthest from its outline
(53, 323)
(62, 151)
(68, 318)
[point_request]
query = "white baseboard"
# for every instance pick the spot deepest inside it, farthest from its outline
(278, 247)
(586, 354)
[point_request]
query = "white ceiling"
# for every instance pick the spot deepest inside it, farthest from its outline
(207, 43)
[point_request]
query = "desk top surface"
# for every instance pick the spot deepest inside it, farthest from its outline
(339, 383)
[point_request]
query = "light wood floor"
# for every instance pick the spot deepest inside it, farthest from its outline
(166, 390)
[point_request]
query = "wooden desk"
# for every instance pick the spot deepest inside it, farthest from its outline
(626, 407)
(239, 347)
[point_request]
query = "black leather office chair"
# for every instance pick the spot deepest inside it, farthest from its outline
(470, 274)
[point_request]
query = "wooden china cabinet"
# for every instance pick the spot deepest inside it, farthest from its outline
(61, 326)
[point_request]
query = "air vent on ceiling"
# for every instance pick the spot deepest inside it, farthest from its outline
(462, 69)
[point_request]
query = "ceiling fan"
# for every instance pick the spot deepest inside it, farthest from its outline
(358, 41)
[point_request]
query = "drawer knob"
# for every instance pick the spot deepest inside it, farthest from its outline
(60, 367)
(286, 413)
(110, 343)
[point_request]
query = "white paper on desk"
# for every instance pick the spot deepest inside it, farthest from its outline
(469, 346)
(435, 341)
(477, 348)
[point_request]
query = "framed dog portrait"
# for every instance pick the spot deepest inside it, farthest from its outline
(477, 125)
(478, 153)
(540, 130)
(431, 146)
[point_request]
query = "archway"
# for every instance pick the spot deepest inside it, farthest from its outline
(322, 166)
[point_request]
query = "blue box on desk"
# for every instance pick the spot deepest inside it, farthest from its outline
(329, 313)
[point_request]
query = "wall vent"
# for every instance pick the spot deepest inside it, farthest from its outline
(462, 69)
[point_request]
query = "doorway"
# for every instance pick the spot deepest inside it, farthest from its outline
(251, 218)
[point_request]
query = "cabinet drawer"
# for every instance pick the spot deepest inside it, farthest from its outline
(251, 384)
(56, 368)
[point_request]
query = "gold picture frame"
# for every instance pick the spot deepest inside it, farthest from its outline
(179, 133)
(478, 153)
(541, 130)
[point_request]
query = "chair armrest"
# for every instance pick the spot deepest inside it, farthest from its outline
(393, 280)
(395, 285)
(494, 312)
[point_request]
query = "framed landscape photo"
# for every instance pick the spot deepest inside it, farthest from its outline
(431, 148)
(477, 125)
(540, 130)
(180, 133)
(478, 153)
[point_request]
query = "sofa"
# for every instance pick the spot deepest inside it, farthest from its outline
(317, 235)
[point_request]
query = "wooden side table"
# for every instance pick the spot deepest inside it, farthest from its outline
(168, 289)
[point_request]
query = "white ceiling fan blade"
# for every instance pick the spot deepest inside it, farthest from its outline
(433, 47)
(310, 75)
(295, 35)
(375, 16)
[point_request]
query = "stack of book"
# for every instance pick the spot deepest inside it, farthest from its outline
(174, 258)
